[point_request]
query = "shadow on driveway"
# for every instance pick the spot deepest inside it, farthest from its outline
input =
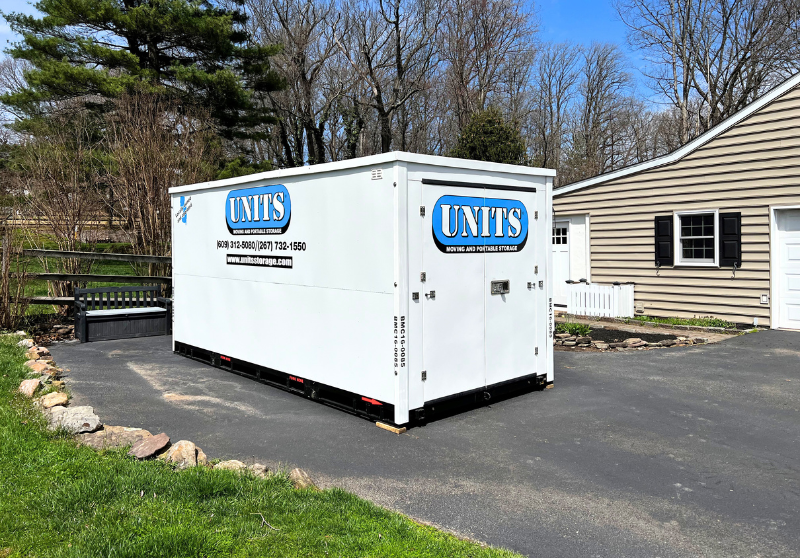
(682, 452)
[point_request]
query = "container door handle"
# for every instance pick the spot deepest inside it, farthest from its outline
(431, 295)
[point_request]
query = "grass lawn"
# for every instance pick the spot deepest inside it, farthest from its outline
(58, 499)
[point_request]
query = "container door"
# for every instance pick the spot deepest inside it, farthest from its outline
(512, 289)
(452, 295)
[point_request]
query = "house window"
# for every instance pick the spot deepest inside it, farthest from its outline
(559, 235)
(697, 240)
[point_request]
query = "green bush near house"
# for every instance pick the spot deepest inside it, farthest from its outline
(581, 330)
(59, 499)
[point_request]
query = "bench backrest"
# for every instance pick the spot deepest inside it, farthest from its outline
(106, 298)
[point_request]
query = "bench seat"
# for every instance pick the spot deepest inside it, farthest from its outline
(121, 312)
(126, 311)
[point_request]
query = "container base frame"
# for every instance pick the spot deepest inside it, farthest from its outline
(357, 404)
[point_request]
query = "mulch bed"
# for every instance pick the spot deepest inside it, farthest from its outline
(616, 336)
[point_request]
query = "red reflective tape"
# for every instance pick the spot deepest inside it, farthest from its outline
(296, 379)
(225, 358)
(372, 401)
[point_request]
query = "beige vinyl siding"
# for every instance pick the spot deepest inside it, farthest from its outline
(750, 167)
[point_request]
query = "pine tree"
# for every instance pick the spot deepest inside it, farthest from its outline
(92, 50)
(488, 137)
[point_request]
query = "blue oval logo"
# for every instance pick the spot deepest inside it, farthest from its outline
(464, 224)
(259, 210)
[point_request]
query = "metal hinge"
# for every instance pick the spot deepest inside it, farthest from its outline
(423, 276)
(535, 214)
(422, 211)
(536, 269)
(424, 375)
(536, 351)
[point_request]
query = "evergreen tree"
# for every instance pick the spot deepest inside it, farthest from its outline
(92, 50)
(488, 137)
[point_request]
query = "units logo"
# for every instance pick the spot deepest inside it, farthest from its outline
(463, 224)
(259, 210)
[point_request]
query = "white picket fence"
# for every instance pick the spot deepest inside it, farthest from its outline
(587, 299)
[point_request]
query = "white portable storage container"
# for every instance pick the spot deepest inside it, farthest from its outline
(395, 285)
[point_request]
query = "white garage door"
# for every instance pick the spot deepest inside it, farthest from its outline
(788, 273)
(561, 243)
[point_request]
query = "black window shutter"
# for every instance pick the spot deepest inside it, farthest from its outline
(664, 240)
(730, 239)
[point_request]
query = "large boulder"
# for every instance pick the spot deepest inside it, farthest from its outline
(301, 479)
(259, 470)
(150, 446)
(53, 400)
(183, 454)
(113, 437)
(29, 387)
(74, 419)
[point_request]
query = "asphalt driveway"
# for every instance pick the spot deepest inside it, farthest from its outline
(677, 452)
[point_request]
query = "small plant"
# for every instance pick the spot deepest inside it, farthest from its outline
(573, 328)
(702, 321)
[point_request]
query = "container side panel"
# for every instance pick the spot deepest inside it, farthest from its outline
(296, 276)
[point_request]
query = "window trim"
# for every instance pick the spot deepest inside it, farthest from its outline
(679, 261)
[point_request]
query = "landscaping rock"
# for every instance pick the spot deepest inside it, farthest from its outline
(183, 454)
(231, 465)
(35, 353)
(301, 479)
(28, 343)
(29, 387)
(202, 459)
(652, 345)
(668, 342)
(58, 384)
(569, 343)
(53, 399)
(563, 335)
(113, 437)
(149, 446)
(621, 345)
(580, 340)
(259, 470)
(74, 419)
(38, 366)
(600, 345)
(700, 340)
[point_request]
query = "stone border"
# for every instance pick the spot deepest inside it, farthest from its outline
(88, 430)
(569, 341)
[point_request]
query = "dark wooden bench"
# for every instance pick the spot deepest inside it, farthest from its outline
(120, 313)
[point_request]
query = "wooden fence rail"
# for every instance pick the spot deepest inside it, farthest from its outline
(136, 258)
(93, 278)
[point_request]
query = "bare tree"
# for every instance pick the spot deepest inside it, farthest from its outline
(486, 43)
(308, 63)
(391, 50)
(151, 145)
(558, 74)
(57, 178)
(722, 53)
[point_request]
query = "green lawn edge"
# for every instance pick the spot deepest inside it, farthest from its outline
(61, 499)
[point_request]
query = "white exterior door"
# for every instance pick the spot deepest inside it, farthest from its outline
(561, 267)
(511, 318)
(453, 350)
(788, 273)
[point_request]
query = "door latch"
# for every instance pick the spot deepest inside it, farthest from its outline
(414, 296)
(422, 211)
(431, 295)
(423, 276)
(424, 375)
